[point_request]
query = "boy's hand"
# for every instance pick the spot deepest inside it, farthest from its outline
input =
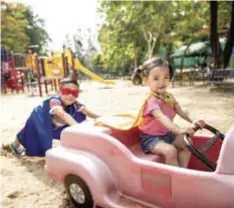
(200, 123)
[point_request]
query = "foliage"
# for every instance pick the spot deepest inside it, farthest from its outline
(21, 28)
(13, 27)
(35, 31)
(134, 31)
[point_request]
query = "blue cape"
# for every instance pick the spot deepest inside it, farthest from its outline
(37, 134)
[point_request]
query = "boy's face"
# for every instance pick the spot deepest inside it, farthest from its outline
(69, 93)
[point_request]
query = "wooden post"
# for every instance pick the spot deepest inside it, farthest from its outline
(12, 60)
(65, 68)
(55, 85)
(52, 84)
(30, 77)
(43, 74)
(3, 85)
(38, 75)
(76, 76)
(65, 63)
(26, 79)
(73, 59)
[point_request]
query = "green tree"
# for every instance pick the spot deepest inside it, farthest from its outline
(134, 31)
(35, 31)
(118, 49)
(13, 27)
(21, 28)
(191, 23)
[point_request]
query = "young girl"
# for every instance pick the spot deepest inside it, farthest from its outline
(159, 135)
(47, 121)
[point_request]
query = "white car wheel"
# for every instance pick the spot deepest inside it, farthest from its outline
(78, 192)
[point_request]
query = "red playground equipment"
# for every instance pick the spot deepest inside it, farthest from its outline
(14, 80)
(12, 75)
(27, 69)
(20, 70)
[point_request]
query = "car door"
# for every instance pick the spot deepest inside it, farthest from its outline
(156, 185)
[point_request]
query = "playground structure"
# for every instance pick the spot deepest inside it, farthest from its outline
(67, 60)
(12, 71)
(20, 70)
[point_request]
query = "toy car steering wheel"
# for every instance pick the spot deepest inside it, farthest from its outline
(199, 152)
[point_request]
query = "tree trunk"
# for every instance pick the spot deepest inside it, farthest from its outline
(152, 46)
(230, 40)
(136, 60)
(182, 63)
(214, 36)
(169, 49)
(151, 42)
(135, 63)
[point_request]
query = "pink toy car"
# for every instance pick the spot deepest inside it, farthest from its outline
(101, 167)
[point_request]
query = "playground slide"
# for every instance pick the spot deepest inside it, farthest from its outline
(79, 67)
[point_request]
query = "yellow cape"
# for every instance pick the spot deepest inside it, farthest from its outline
(126, 121)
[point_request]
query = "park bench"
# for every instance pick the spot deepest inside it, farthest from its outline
(223, 77)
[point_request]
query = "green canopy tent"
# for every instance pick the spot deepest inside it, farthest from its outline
(195, 55)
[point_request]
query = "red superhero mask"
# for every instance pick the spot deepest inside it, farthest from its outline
(68, 91)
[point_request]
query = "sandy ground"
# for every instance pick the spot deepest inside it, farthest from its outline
(23, 182)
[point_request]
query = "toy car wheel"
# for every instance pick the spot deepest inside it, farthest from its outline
(78, 192)
(137, 80)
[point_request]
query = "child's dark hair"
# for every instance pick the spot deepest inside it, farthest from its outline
(152, 63)
(68, 80)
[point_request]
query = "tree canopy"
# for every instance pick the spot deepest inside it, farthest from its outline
(21, 27)
(134, 31)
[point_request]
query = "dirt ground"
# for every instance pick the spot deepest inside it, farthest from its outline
(23, 181)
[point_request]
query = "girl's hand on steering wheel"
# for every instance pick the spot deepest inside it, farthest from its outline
(189, 130)
(200, 123)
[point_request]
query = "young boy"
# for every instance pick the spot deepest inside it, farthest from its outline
(47, 120)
